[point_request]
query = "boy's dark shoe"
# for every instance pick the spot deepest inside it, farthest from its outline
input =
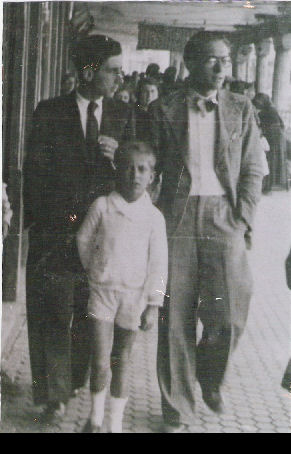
(90, 429)
(8, 387)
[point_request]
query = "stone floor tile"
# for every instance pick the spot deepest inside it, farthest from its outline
(254, 399)
(231, 430)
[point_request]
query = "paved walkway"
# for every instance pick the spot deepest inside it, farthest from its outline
(255, 401)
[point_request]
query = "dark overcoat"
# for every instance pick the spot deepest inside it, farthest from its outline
(61, 180)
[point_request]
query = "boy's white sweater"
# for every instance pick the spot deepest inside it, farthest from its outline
(124, 246)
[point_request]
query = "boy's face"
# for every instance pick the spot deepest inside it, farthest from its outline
(135, 174)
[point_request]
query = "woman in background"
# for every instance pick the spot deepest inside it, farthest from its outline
(273, 129)
(123, 94)
(148, 91)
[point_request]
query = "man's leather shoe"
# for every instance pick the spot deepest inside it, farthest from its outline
(8, 387)
(174, 429)
(53, 412)
(213, 400)
(90, 429)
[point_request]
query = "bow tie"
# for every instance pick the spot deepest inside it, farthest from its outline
(204, 105)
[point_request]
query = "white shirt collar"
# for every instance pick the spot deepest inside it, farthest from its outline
(133, 209)
(83, 106)
(85, 102)
(192, 93)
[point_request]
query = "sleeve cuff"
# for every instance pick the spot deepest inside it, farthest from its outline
(156, 302)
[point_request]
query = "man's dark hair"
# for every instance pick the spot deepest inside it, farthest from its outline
(262, 100)
(195, 47)
(135, 146)
(153, 70)
(239, 86)
(93, 50)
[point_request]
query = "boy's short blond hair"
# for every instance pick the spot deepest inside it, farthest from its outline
(136, 146)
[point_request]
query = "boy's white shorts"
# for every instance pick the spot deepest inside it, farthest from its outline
(123, 308)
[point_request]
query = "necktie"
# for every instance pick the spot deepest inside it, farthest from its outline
(204, 105)
(210, 104)
(91, 130)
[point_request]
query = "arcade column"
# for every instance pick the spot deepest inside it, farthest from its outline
(262, 51)
(282, 69)
(241, 56)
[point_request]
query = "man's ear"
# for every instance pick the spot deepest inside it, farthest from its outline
(191, 65)
(152, 178)
(88, 74)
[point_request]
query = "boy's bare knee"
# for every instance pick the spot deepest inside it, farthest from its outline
(120, 360)
(121, 356)
(101, 366)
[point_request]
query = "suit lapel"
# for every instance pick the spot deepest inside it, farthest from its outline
(175, 111)
(222, 140)
(72, 114)
(113, 119)
(79, 136)
(228, 125)
(74, 127)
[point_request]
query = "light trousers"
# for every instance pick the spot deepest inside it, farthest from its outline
(209, 279)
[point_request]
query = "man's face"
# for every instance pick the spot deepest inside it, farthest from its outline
(209, 70)
(109, 77)
(148, 94)
(135, 175)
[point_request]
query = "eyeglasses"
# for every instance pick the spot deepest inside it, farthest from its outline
(212, 61)
(96, 67)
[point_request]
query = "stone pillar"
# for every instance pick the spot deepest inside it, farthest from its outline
(182, 71)
(240, 61)
(175, 60)
(262, 51)
(282, 68)
(251, 64)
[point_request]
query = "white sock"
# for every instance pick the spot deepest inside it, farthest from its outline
(97, 407)
(117, 405)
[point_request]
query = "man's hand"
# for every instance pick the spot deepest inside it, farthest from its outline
(108, 146)
(148, 317)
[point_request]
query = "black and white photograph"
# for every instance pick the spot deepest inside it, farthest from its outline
(146, 217)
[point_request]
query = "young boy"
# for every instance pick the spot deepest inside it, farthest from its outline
(123, 247)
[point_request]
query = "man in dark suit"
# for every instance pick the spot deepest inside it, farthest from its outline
(210, 160)
(69, 163)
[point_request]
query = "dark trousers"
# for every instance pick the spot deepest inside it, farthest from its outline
(209, 279)
(58, 328)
